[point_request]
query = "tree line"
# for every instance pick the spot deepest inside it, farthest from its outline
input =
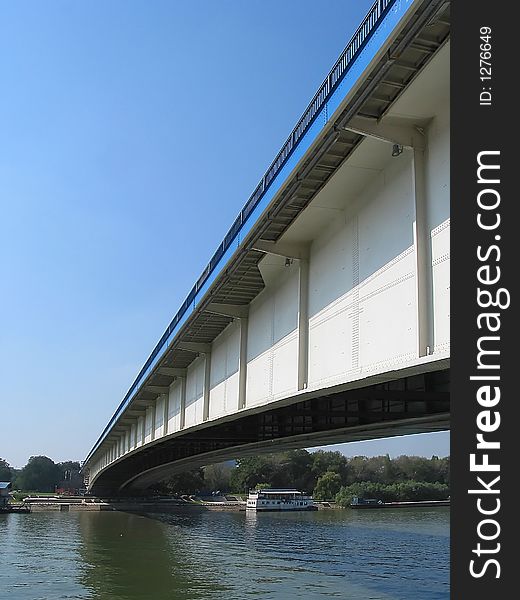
(325, 474)
(42, 474)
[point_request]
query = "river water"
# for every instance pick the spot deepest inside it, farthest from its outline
(187, 554)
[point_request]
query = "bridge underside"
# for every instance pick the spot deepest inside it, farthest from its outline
(413, 404)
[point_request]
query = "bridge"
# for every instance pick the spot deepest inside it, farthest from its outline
(323, 316)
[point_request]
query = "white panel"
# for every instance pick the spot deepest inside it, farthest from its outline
(260, 324)
(331, 301)
(232, 377)
(330, 342)
(194, 392)
(285, 336)
(148, 425)
(362, 294)
(387, 296)
(285, 319)
(174, 407)
(437, 167)
(218, 375)
(258, 378)
(159, 417)
(259, 342)
(272, 368)
(387, 326)
(330, 267)
(285, 366)
(402, 266)
(385, 217)
(217, 400)
(140, 430)
(438, 202)
(233, 349)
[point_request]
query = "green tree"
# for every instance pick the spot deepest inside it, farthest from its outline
(327, 486)
(40, 474)
(323, 461)
(294, 470)
(262, 486)
(6, 473)
(403, 491)
(252, 470)
(217, 477)
(187, 482)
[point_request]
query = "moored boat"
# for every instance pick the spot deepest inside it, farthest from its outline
(279, 500)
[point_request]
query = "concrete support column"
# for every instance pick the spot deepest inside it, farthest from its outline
(423, 262)
(166, 408)
(207, 380)
(242, 363)
(182, 415)
(303, 323)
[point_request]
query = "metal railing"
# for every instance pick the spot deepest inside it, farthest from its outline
(331, 82)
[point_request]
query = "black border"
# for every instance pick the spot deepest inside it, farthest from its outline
(475, 128)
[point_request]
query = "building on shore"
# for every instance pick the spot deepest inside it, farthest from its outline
(5, 489)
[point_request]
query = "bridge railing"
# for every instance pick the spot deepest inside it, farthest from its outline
(331, 82)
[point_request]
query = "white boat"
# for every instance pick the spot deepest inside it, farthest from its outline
(279, 500)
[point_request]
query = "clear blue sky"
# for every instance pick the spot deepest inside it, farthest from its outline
(132, 132)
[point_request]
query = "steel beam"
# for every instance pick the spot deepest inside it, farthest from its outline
(197, 347)
(396, 132)
(143, 429)
(182, 415)
(172, 372)
(207, 381)
(237, 311)
(156, 389)
(242, 363)
(166, 407)
(303, 323)
(152, 432)
(288, 250)
(423, 261)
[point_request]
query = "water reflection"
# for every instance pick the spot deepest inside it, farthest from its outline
(129, 556)
(189, 554)
(41, 557)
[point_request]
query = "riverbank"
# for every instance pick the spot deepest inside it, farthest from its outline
(144, 505)
(411, 504)
(78, 504)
